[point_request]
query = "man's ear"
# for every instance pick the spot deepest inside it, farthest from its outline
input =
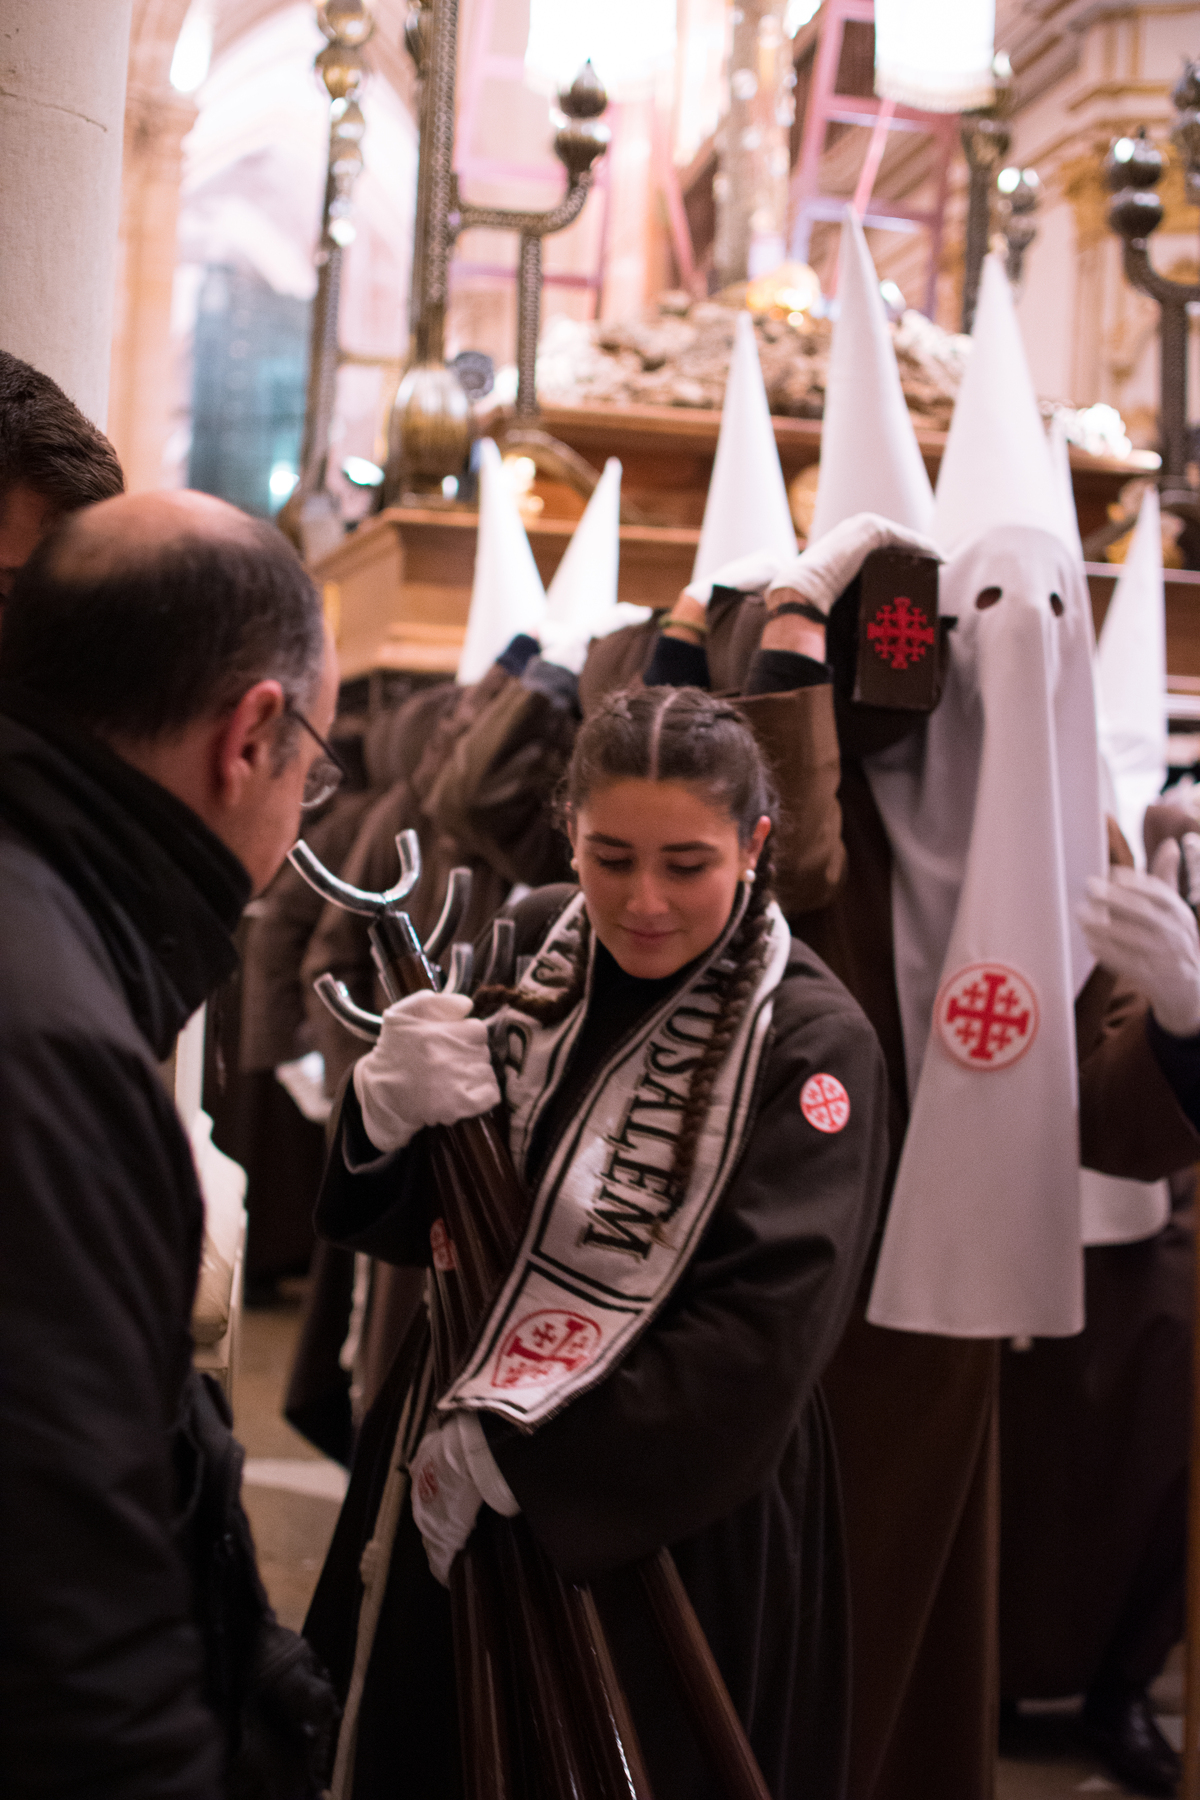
(246, 744)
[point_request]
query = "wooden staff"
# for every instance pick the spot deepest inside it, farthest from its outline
(485, 1206)
(522, 1633)
(583, 1732)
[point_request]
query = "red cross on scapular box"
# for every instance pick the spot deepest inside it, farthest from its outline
(898, 632)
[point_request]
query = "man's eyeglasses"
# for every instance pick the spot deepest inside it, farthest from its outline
(327, 773)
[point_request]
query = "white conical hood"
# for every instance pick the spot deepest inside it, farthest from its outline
(1133, 677)
(747, 506)
(584, 587)
(507, 596)
(1060, 457)
(997, 468)
(869, 456)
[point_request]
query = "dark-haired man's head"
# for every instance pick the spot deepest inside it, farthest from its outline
(52, 461)
(189, 637)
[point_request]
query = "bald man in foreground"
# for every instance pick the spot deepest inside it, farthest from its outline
(165, 681)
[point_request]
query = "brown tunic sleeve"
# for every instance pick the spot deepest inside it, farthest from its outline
(1130, 1122)
(798, 738)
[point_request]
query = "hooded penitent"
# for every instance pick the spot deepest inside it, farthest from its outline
(994, 817)
(507, 596)
(869, 456)
(1060, 458)
(747, 505)
(581, 602)
(1131, 667)
(997, 468)
(1133, 677)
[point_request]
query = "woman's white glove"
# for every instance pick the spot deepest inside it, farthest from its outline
(1141, 928)
(431, 1066)
(749, 574)
(826, 569)
(453, 1474)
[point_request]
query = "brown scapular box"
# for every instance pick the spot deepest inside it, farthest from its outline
(898, 631)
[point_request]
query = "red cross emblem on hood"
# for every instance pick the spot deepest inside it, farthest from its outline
(986, 1015)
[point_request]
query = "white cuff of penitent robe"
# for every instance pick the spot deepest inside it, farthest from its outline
(485, 1470)
(566, 646)
(748, 574)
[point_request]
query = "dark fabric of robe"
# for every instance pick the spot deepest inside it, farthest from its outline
(711, 1436)
(1095, 1433)
(915, 1415)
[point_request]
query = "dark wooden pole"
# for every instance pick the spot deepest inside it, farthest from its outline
(536, 1677)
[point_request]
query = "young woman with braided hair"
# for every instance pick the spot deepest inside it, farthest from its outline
(697, 1109)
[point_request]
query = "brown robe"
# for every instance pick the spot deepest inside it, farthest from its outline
(914, 1415)
(1096, 1432)
(710, 1435)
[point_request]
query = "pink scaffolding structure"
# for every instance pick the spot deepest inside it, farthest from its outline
(482, 64)
(827, 107)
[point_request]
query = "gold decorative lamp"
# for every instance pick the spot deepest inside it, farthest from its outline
(311, 517)
(431, 429)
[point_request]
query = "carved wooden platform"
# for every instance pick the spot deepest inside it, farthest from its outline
(667, 455)
(398, 589)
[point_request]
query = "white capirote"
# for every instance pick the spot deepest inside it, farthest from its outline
(992, 810)
(826, 569)
(453, 1474)
(431, 1066)
(1139, 926)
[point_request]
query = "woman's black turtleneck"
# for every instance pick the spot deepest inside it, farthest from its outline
(618, 1002)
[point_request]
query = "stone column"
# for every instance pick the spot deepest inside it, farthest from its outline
(62, 104)
(751, 184)
(142, 397)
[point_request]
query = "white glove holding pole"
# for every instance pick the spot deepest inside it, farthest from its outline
(749, 574)
(453, 1474)
(1140, 927)
(431, 1066)
(826, 569)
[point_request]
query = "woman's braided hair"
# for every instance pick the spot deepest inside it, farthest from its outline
(682, 735)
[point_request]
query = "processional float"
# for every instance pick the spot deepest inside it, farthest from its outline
(541, 1707)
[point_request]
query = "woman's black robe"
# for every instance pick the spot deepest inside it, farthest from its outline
(711, 1436)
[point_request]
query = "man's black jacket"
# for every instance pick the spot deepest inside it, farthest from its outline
(116, 907)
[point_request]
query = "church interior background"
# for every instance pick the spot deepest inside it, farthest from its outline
(203, 376)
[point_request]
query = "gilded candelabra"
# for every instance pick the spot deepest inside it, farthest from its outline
(430, 436)
(311, 516)
(1133, 169)
(985, 141)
